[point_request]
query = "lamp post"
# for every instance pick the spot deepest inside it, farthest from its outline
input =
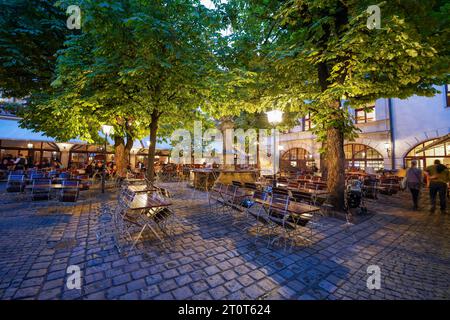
(107, 131)
(274, 117)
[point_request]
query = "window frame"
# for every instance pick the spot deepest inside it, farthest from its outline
(365, 114)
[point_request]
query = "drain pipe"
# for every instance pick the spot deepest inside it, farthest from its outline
(391, 129)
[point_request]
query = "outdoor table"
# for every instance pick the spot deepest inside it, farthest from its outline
(141, 188)
(58, 186)
(145, 202)
(294, 208)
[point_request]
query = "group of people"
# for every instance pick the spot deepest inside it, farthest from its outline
(96, 167)
(22, 163)
(437, 177)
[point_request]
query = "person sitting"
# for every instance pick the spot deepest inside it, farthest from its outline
(20, 162)
(4, 165)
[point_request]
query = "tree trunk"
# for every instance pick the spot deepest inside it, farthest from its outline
(336, 167)
(128, 147)
(120, 155)
(335, 157)
(152, 147)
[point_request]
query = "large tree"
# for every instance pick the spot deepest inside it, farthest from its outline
(319, 57)
(135, 65)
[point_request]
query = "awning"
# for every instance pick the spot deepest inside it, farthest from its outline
(436, 143)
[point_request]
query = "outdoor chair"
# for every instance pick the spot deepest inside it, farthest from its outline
(236, 183)
(278, 190)
(215, 197)
(37, 175)
(16, 183)
(64, 175)
(299, 196)
(281, 219)
(41, 189)
(293, 185)
(250, 185)
(70, 191)
(258, 209)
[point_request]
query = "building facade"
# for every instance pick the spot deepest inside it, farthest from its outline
(392, 131)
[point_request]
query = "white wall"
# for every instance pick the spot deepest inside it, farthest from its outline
(418, 119)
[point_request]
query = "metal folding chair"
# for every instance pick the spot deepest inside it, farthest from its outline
(41, 189)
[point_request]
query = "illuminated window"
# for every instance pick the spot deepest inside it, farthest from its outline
(447, 94)
(294, 159)
(426, 158)
(307, 122)
(360, 156)
(365, 115)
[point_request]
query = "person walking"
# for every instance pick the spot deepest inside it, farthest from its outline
(414, 180)
(438, 177)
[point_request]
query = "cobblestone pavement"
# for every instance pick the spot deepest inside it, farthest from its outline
(209, 257)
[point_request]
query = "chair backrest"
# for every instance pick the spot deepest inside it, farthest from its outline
(250, 185)
(311, 186)
(17, 172)
(71, 183)
(16, 178)
(41, 184)
(236, 183)
(279, 202)
(293, 185)
(64, 175)
(281, 191)
(37, 175)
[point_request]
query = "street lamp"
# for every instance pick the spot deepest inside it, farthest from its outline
(274, 117)
(107, 130)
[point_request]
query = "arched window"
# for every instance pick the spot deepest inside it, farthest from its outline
(361, 157)
(295, 159)
(426, 158)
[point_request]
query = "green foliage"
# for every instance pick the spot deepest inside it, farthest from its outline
(31, 31)
(131, 59)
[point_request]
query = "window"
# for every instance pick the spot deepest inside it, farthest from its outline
(360, 156)
(447, 94)
(365, 115)
(426, 158)
(295, 159)
(307, 122)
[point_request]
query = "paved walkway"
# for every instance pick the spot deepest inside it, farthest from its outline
(210, 258)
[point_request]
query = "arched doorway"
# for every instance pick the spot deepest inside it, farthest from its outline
(360, 156)
(296, 159)
(426, 157)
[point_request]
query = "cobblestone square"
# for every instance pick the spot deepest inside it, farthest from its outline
(210, 257)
